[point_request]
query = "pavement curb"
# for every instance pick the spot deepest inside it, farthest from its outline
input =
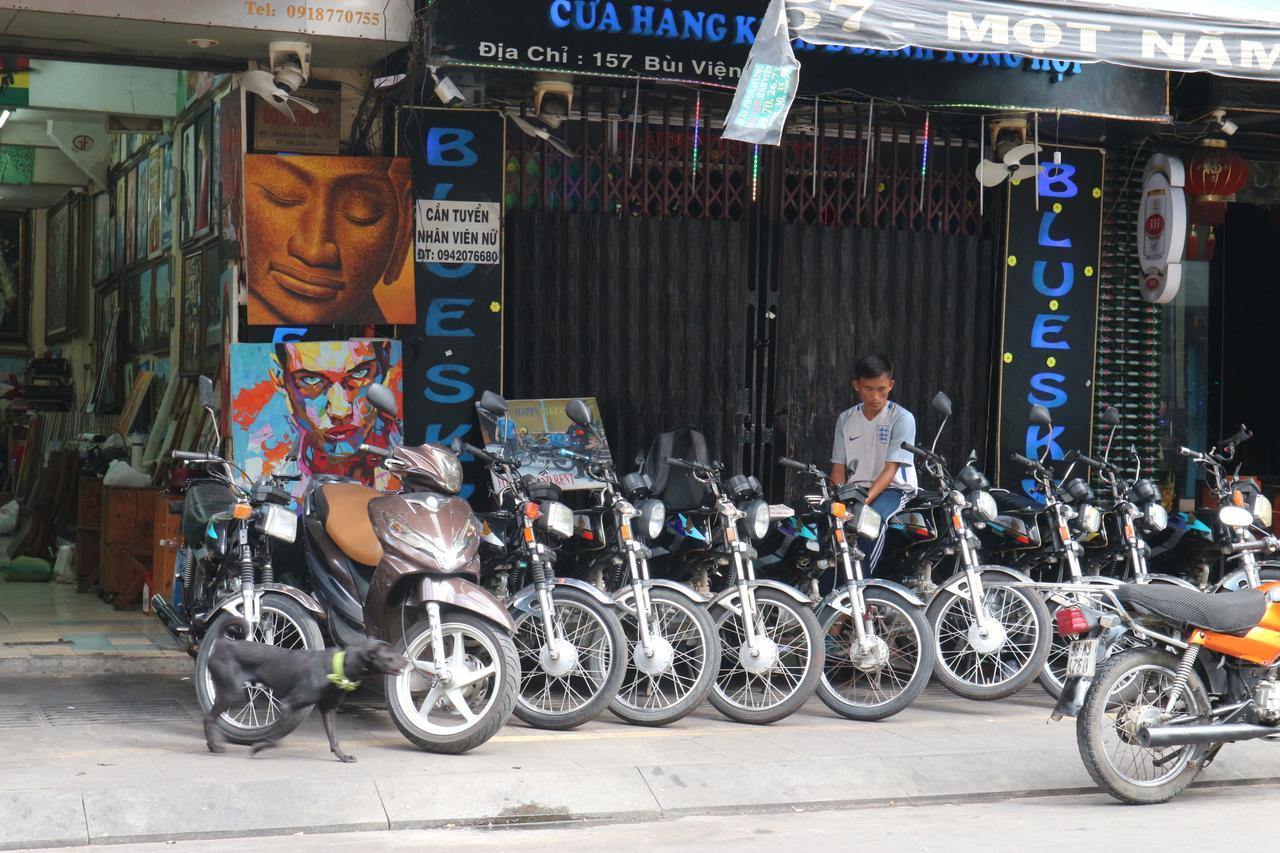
(38, 666)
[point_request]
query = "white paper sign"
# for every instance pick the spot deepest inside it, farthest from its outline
(458, 232)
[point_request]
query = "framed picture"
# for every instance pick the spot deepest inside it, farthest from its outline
(187, 214)
(15, 277)
(166, 198)
(140, 219)
(130, 213)
(117, 225)
(131, 322)
(108, 389)
(204, 173)
(216, 279)
(101, 237)
(190, 321)
(62, 271)
(155, 187)
(163, 301)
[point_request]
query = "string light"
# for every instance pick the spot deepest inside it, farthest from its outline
(924, 159)
(755, 174)
(697, 130)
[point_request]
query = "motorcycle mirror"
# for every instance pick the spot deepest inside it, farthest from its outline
(1040, 416)
(1111, 416)
(457, 446)
(382, 398)
(942, 404)
(973, 457)
(492, 404)
(205, 386)
(578, 412)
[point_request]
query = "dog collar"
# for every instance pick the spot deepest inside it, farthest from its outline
(339, 677)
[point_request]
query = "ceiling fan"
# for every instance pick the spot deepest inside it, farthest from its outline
(1009, 154)
(266, 85)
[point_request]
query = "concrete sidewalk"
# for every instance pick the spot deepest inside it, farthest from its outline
(122, 759)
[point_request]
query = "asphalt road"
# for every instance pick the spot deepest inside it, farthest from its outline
(1201, 819)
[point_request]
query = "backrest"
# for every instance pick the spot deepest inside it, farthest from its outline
(676, 486)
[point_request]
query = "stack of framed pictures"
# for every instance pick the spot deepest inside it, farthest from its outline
(65, 269)
(15, 279)
(204, 275)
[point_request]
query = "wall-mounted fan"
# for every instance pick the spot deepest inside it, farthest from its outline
(290, 68)
(1011, 157)
(539, 132)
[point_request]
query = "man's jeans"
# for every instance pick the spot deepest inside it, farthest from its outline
(887, 503)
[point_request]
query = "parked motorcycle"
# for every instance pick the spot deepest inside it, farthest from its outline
(405, 568)
(879, 649)
(227, 585)
(570, 641)
(770, 641)
(992, 636)
(674, 651)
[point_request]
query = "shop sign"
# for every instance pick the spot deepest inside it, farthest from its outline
(306, 132)
(1162, 228)
(456, 351)
(1050, 311)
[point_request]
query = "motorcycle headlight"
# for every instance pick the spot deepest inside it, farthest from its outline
(1235, 516)
(557, 518)
(1262, 511)
(985, 505)
(1089, 518)
(651, 514)
(1157, 517)
(757, 519)
(868, 523)
(278, 523)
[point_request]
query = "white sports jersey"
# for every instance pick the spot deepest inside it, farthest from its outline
(872, 443)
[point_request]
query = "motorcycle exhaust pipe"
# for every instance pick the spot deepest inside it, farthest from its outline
(169, 618)
(1154, 737)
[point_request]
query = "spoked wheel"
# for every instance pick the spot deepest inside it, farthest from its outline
(997, 659)
(666, 686)
(887, 674)
(579, 682)
(1054, 674)
(463, 710)
(1132, 690)
(782, 675)
(258, 716)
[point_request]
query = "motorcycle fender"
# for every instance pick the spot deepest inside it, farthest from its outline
(958, 583)
(838, 599)
(901, 590)
(526, 598)
(1070, 703)
(725, 596)
(462, 594)
(232, 603)
(1170, 579)
(624, 596)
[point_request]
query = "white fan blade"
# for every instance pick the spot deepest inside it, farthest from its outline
(560, 146)
(281, 105)
(1019, 153)
(258, 81)
(305, 104)
(1026, 171)
(990, 174)
(523, 125)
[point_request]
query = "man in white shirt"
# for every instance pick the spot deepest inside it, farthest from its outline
(868, 447)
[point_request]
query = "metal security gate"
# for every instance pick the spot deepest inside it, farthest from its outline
(686, 280)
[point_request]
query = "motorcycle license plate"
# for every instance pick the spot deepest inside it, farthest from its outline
(1082, 659)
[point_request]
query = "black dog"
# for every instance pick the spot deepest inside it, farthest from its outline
(298, 679)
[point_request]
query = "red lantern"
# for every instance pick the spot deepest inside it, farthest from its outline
(1214, 174)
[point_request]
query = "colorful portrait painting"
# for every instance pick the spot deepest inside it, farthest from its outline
(327, 240)
(309, 399)
(532, 434)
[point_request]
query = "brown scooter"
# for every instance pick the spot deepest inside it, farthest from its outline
(405, 566)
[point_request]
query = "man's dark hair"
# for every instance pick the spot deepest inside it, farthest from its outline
(872, 366)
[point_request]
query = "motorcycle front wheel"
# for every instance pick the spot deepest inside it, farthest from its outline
(666, 687)
(260, 716)
(1132, 690)
(886, 678)
(1007, 658)
(782, 675)
(577, 685)
(477, 700)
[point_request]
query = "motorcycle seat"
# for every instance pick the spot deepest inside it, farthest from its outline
(1224, 612)
(343, 509)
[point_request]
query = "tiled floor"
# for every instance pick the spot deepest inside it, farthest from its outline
(49, 618)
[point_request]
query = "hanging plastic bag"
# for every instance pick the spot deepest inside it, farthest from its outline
(769, 84)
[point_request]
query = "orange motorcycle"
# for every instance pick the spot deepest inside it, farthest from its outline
(1149, 719)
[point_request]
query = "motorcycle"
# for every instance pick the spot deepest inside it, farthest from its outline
(674, 652)
(405, 567)
(991, 634)
(1150, 719)
(771, 648)
(570, 641)
(879, 650)
(227, 587)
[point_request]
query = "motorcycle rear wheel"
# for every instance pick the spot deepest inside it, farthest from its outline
(662, 698)
(284, 623)
(1125, 693)
(438, 719)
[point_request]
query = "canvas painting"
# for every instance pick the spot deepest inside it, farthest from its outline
(164, 318)
(203, 182)
(230, 161)
(328, 240)
(117, 226)
(140, 215)
(309, 398)
(534, 431)
(155, 184)
(57, 312)
(188, 217)
(166, 198)
(14, 277)
(101, 237)
(145, 328)
(190, 315)
(130, 214)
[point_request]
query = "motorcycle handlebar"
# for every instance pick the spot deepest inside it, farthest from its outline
(477, 452)
(569, 454)
(788, 462)
(376, 451)
(1095, 463)
(189, 456)
(1242, 435)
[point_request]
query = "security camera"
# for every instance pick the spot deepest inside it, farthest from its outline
(447, 91)
(290, 63)
(1228, 126)
(552, 101)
